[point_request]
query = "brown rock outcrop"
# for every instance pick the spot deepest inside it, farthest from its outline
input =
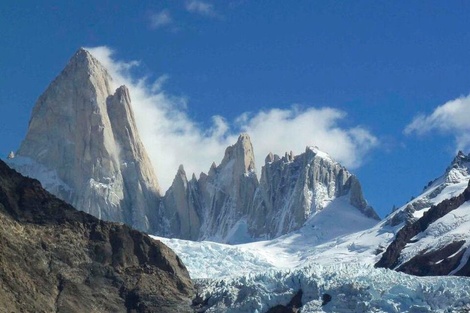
(54, 258)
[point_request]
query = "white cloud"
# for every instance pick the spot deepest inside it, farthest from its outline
(172, 138)
(279, 131)
(201, 7)
(450, 118)
(160, 19)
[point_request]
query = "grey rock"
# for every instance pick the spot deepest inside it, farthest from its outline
(295, 187)
(182, 207)
(86, 133)
(226, 193)
(83, 144)
(231, 205)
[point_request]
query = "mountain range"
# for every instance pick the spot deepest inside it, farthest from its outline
(83, 144)
(305, 214)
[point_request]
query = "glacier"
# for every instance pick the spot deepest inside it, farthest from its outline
(352, 288)
(324, 262)
(240, 278)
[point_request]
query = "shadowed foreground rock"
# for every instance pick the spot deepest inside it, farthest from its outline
(292, 307)
(54, 258)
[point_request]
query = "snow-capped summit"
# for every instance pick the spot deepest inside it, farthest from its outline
(432, 230)
(82, 143)
(450, 184)
(294, 188)
(459, 169)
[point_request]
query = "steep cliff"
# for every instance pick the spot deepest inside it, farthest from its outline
(82, 143)
(227, 192)
(232, 206)
(294, 188)
(182, 208)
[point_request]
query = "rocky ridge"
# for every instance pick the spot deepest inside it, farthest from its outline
(294, 188)
(234, 206)
(54, 258)
(432, 230)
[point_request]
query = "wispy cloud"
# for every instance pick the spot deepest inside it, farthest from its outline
(172, 138)
(451, 118)
(160, 19)
(201, 7)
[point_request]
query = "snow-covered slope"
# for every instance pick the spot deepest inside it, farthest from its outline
(369, 245)
(434, 229)
(209, 259)
(451, 228)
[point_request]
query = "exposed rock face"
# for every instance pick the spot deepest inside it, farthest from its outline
(230, 205)
(84, 136)
(215, 206)
(182, 208)
(83, 145)
(56, 259)
(227, 192)
(294, 188)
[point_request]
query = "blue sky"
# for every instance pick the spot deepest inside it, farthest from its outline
(374, 83)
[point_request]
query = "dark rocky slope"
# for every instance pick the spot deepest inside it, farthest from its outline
(54, 258)
(437, 262)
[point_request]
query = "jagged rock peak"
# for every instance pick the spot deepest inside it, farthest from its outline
(83, 132)
(459, 169)
(123, 94)
(180, 176)
(269, 158)
(88, 75)
(289, 157)
(460, 160)
(212, 170)
(181, 206)
(84, 58)
(242, 154)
